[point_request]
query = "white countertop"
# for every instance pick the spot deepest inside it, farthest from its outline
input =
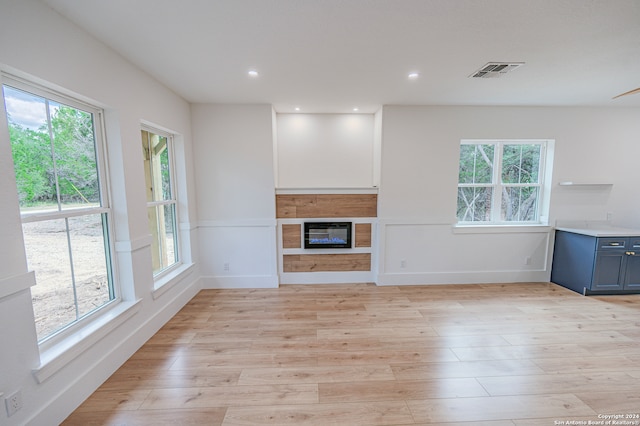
(603, 231)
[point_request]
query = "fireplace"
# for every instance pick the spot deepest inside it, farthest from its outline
(327, 235)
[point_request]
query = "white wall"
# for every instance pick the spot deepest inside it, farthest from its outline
(325, 150)
(38, 44)
(233, 160)
(417, 199)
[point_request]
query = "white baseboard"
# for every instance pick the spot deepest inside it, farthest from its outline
(473, 277)
(239, 281)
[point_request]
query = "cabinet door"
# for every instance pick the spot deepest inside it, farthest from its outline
(608, 272)
(632, 271)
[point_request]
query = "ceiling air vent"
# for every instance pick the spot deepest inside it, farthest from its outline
(496, 69)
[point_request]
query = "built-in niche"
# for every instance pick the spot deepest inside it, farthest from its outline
(326, 237)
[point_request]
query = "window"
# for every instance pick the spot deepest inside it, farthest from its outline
(56, 144)
(501, 181)
(161, 200)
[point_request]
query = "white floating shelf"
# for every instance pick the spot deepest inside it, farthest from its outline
(351, 190)
(584, 184)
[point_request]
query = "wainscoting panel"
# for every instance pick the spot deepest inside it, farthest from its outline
(422, 253)
(238, 254)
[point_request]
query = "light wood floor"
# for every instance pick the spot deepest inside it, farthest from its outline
(494, 355)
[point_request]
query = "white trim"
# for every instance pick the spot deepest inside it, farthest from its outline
(302, 250)
(62, 353)
(154, 128)
(585, 184)
(129, 246)
(165, 283)
(502, 229)
(412, 221)
(295, 191)
(187, 226)
(239, 281)
(161, 203)
(42, 215)
(17, 283)
(43, 89)
(274, 145)
(467, 277)
(354, 220)
(239, 223)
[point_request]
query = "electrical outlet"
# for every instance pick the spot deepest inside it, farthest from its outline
(403, 263)
(226, 267)
(527, 260)
(13, 402)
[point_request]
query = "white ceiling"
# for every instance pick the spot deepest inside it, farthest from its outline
(333, 55)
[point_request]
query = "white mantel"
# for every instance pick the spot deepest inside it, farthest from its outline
(363, 190)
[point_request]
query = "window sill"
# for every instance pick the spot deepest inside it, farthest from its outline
(171, 278)
(56, 357)
(501, 229)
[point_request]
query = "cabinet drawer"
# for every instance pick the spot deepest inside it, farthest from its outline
(613, 243)
(634, 244)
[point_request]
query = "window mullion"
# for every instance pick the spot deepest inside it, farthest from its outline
(496, 199)
(73, 272)
(541, 173)
(53, 152)
(172, 170)
(160, 203)
(102, 159)
(61, 214)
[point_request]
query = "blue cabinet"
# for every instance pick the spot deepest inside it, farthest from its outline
(596, 265)
(632, 269)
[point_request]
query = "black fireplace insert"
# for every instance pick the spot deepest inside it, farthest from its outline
(327, 235)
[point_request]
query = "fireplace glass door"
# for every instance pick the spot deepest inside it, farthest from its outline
(327, 235)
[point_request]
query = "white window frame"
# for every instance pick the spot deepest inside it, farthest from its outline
(160, 277)
(544, 179)
(63, 336)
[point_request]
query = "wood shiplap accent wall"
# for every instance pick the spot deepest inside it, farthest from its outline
(327, 262)
(291, 206)
(291, 236)
(363, 235)
(293, 209)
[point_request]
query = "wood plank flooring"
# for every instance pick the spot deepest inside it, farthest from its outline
(356, 354)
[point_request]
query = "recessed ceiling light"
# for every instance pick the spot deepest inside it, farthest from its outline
(253, 73)
(413, 75)
(355, 109)
(297, 108)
